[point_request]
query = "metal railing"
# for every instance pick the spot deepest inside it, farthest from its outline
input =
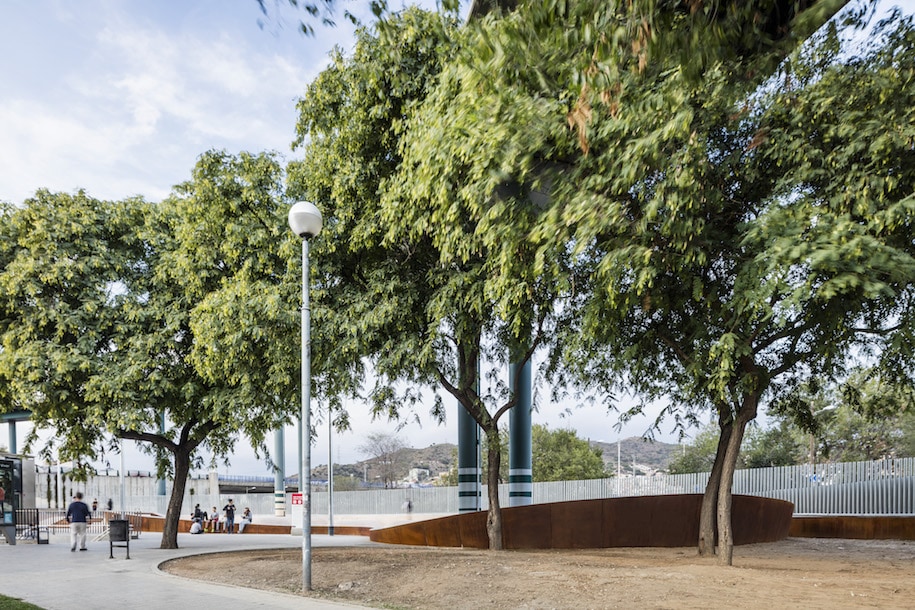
(32, 523)
(883, 487)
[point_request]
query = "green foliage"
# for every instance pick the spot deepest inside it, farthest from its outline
(779, 445)
(869, 418)
(342, 483)
(67, 262)
(370, 298)
(236, 265)
(863, 418)
(697, 456)
(174, 325)
(408, 256)
(653, 258)
(559, 455)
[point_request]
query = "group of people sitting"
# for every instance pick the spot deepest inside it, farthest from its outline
(216, 521)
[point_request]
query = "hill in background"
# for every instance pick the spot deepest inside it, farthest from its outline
(637, 455)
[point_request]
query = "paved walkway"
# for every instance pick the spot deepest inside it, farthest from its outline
(52, 577)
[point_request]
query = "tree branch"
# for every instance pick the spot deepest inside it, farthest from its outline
(148, 437)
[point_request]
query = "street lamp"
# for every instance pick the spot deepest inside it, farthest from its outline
(330, 472)
(306, 222)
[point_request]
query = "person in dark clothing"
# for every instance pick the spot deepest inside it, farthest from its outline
(78, 516)
(229, 510)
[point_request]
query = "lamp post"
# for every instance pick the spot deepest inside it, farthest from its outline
(306, 222)
(123, 496)
(330, 472)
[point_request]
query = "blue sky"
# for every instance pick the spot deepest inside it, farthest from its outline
(121, 97)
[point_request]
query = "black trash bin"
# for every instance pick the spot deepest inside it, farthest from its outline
(118, 531)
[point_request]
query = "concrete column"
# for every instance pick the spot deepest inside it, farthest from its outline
(279, 473)
(13, 450)
(213, 485)
(520, 472)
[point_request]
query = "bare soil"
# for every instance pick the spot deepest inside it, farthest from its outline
(795, 573)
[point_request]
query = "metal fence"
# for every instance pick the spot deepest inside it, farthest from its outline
(33, 523)
(884, 487)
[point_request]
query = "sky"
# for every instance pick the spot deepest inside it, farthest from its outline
(120, 97)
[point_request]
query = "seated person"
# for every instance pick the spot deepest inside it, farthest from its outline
(246, 518)
(196, 527)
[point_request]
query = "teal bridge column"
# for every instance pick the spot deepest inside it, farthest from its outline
(520, 471)
(11, 419)
(470, 490)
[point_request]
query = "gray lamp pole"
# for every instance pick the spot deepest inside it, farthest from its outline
(306, 222)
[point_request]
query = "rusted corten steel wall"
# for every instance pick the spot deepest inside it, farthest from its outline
(660, 521)
(860, 528)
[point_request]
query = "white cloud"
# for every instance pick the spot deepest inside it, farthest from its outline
(132, 103)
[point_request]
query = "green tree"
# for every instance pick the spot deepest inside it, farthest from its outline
(699, 455)
(722, 277)
(65, 259)
(778, 445)
(675, 224)
(906, 447)
(559, 455)
(869, 418)
(452, 198)
(345, 483)
(137, 321)
(221, 311)
(401, 296)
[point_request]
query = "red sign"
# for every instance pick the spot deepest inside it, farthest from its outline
(297, 499)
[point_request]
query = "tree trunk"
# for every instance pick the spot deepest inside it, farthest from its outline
(708, 524)
(746, 414)
(175, 501)
(494, 515)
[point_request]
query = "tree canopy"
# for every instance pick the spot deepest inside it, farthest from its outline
(159, 323)
(404, 285)
(559, 455)
(667, 220)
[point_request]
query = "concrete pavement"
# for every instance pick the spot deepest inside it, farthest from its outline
(52, 577)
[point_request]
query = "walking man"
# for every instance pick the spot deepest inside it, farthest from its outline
(78, 515)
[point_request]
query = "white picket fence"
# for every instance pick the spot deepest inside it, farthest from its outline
(884, 487)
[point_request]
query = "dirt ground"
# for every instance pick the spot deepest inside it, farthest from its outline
(795, 573)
